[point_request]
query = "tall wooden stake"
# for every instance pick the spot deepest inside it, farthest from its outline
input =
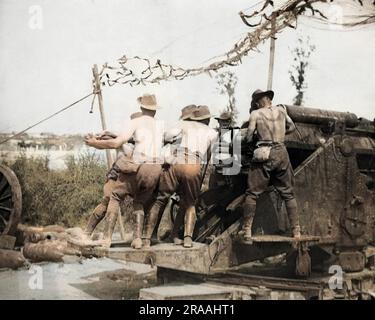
(272, 55)
(104, 127)
(102, 117)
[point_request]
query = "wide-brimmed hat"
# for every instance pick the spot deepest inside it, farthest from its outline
(201, 113)
(135, 115)
(148, 101)
(226, 115)
(186, 112)
(257, 94)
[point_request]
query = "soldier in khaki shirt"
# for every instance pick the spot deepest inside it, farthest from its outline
(139, 175)
(183, 174)
(271, 161)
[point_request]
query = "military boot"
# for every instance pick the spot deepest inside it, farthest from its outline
(178, 222)
(248, 218)
(151, 221)
(291, 208)
(110, 223)
(246, 227)
(138, 227)
(190, 219)
(97, 216)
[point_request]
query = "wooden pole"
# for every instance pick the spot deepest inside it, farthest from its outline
(272, 55)
(98, 91)
(102, 117)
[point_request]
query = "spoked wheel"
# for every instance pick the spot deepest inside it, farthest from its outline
(10, 201)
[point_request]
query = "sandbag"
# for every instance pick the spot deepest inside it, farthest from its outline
(261, 154)
(38, 252)
(49, 228)
(11, 259)
(7, 242)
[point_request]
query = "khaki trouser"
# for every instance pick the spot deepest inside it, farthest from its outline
(101, 209)
(278, 171)
(139, 185)
(182, 178)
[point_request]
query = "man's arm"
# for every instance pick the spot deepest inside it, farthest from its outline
(115, 143)
(252, 126)
(290, 126)
(112, 143)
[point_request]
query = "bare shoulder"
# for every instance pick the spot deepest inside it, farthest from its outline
(281, 108)
(143, 121)
(213, 132)
(254, 114)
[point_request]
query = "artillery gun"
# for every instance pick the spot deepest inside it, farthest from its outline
(333, 157)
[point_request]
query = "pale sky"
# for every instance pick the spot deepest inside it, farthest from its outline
(45, 69)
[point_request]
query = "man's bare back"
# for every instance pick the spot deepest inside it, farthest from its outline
(271, 123)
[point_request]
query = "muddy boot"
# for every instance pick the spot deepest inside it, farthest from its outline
(188, 242)
(151, 220)
(97, 216)
(190, 219)
(291, 208)
(178, 222)
(110, 223)
(246, 228)
(248, 218)
(138, 228)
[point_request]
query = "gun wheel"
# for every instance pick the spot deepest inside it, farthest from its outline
(10, 201)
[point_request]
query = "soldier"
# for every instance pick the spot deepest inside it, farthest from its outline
(184, 175)
(270, 162)
(140, 174)
(224, 120)
(225, 157)
(126, 150)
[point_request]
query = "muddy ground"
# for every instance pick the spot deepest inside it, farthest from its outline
(77, 279)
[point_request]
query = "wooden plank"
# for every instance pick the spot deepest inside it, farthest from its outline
(187, 292)
(277, 238)
(167, 255)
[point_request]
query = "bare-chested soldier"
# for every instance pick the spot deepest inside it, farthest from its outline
(126, 150)
(140, 174)
(271, 161)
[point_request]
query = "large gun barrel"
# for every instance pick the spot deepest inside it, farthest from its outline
(320, 116)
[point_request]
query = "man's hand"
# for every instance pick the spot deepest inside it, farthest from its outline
(105, 135)
(99, 143)
(90, 140)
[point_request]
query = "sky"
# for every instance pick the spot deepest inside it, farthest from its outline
(47, 49)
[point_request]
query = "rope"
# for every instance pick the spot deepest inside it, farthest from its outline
(47, 118)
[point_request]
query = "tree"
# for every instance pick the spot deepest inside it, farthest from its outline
(297, 73)
(226, 85)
